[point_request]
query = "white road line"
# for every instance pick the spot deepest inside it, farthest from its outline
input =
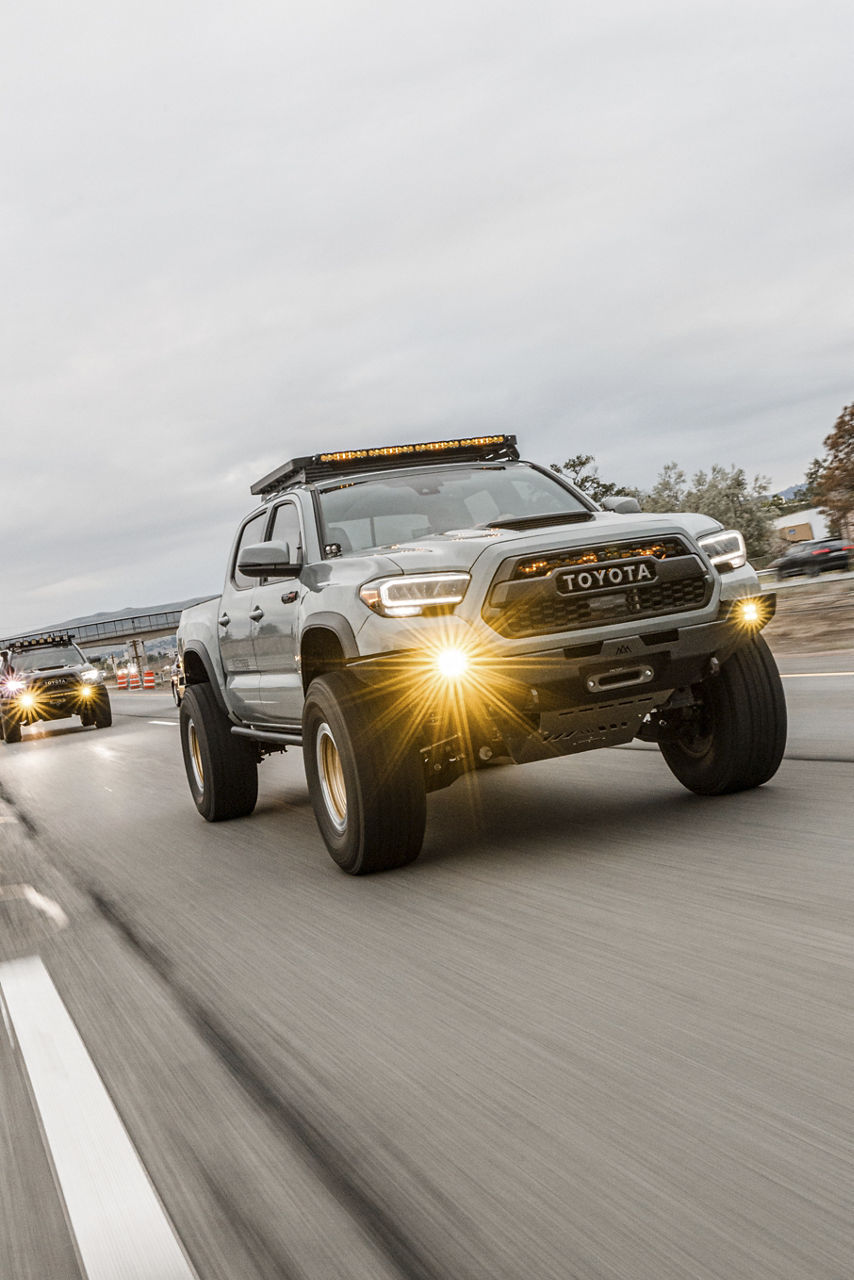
(36, 899)
(814, 675)
(169, 722)
(120, 1226)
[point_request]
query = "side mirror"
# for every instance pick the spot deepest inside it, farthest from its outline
(268, 560)
(624, 506)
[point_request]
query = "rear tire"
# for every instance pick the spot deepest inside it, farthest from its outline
(11, 727)
(365, 779)
(222, 770)
(736, 739)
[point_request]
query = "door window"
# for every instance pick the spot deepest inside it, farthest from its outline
(253, 532)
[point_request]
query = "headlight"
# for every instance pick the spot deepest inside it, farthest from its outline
(91, 677)
(726, 549)
(412, 594)
(13, 685)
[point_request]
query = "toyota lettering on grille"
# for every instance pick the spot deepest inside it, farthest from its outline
(606, 577)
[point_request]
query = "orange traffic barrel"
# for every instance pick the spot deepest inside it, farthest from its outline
(122, 679)
(148, 679)
(134, 680)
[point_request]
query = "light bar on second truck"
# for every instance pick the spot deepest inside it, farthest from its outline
(37, 642)
(322, 466)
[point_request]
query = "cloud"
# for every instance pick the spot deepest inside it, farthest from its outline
(233, 238)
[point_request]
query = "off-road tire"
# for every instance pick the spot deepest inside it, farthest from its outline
(364, 776)
(737, 739)
(222, 770)
(101, 711)
(10, 728)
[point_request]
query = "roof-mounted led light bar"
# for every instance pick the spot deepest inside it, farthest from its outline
(323, 466)
(37, 642)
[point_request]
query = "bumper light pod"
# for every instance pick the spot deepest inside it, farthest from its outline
(751, 612)
(451, 663)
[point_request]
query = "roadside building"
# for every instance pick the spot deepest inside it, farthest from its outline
(803, 526)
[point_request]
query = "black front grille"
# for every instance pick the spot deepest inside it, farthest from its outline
(525, 601)
(537, 566)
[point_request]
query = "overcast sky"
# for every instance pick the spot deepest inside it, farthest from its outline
(234, 233)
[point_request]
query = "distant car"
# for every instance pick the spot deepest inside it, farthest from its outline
(813, 558)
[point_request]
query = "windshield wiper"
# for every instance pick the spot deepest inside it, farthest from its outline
(530, 522)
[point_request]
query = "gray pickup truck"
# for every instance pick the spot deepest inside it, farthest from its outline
(411, 613)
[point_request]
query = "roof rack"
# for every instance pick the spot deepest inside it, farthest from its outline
(325, 466)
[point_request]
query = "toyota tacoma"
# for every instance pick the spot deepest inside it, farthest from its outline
(411, 613)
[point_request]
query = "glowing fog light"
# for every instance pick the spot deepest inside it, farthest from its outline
(27, 700)
(452, 663)
(86, 691)
(751, 613)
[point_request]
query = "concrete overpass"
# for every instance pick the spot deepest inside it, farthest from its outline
(104, 632)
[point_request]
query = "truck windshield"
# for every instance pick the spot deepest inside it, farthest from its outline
(391, 508)
(46, 656)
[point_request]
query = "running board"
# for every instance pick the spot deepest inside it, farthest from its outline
(280, 738)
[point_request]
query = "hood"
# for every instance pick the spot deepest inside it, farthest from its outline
(50, 673)
(460, 548)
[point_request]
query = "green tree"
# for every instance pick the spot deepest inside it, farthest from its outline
(581, 470)
(725, 494)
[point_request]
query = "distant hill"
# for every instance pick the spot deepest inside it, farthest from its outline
(793, 492)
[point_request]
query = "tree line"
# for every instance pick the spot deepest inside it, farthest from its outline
(728, 495)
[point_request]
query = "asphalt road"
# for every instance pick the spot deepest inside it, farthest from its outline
(601, 1029)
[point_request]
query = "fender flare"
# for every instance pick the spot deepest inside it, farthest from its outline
(200, 651)
(339, 625)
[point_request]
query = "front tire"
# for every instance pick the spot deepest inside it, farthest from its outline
(222, 770)
(364, 776)
(102, 712)
(735, 738)
(10, 727)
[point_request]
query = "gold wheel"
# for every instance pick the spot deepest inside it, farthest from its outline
(196, 757)
(331, 775)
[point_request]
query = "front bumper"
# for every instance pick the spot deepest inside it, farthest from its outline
(463, 702)
(31, 705)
